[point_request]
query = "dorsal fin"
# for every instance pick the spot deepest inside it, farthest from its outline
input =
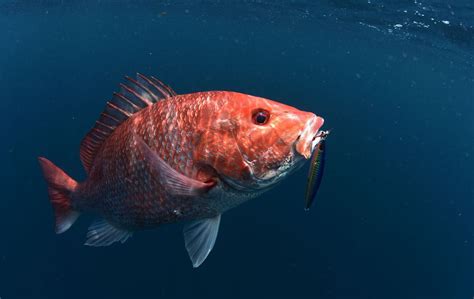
(134, 95)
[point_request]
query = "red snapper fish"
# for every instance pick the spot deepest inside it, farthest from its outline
(156, 157)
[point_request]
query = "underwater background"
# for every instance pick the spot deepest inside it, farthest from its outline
(394, 80)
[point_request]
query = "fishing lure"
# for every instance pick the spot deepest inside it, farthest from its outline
(316, 169)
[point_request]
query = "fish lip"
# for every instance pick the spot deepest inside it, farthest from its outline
(308, 138)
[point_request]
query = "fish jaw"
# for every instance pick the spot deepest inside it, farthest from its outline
(308, 139)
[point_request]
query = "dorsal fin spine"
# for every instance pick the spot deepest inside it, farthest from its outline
(98, 130)
(124, 98)
(92, 141)
(152, 84)
(125, 113)
(88, 151)
(105, 126)
(144, 101)
(96, 133)
(109, 116)
(101, 132)
(146, 88)
(147, 101)
(86, 154)
(168, 88)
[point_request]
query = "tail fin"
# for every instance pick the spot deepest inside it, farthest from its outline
(60, 187)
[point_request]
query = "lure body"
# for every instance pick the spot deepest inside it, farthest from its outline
(316, 170)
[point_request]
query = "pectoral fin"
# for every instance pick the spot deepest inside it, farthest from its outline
(200, 237)
(175, 182)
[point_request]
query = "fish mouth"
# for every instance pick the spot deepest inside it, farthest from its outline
(309, 137)
(303, 147)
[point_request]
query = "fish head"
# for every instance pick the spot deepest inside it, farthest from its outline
(263, 141)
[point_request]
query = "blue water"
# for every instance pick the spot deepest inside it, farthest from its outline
(393, 79)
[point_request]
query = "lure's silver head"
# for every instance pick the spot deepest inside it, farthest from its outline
(320, 136)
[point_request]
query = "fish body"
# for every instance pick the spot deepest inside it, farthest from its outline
(155, 157)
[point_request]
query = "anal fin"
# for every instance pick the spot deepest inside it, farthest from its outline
(102, 233)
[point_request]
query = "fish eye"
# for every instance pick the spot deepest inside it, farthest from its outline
(260, 116)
